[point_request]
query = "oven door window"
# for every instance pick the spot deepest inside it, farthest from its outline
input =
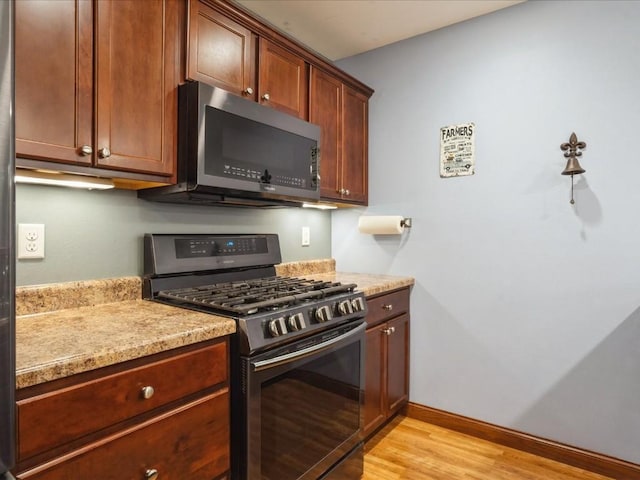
(309, 413)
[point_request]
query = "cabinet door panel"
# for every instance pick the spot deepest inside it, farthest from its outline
(220, 51)
(354, 142)
(325, 110)
(375, 378)
(189, 442)
(136, 88)
(398, 363)
(54, 79)
(284, 77)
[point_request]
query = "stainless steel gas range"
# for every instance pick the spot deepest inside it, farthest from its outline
(297, 358)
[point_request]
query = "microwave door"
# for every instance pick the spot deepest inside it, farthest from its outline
(7, 214)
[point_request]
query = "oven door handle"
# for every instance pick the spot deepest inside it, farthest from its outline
(305, 352)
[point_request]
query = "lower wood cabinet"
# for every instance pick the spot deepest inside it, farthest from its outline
(164, 417)
(188, 442)
(387, 358)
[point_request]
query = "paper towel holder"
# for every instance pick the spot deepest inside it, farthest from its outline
(383, 225)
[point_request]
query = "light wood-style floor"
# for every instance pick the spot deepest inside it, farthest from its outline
(411, 449)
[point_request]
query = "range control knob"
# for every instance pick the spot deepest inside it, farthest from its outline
(296, 322)
(358, 304)
(323, 313)
(277, 327)
(345, 307)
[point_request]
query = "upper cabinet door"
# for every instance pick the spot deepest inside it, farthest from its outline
(284, 79)
(354, 145)
(325, 110)
(136, 85)
(341, 112)
(54, 80)
(220, 52)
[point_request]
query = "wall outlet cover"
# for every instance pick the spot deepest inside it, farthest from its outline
(30, 240)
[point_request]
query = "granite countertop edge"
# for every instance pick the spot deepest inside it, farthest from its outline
(73, 327)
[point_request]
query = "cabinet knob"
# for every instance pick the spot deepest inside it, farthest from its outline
(151, 474)
(86, 150)
(147, 392)
(266, 97)
(347, 192)
(387, 307)
(248, 91)
(341, 191)
(389, 331)
(104, 152)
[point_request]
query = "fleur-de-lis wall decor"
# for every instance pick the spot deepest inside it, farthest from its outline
(572, 151)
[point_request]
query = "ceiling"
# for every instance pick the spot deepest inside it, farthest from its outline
(341, 28)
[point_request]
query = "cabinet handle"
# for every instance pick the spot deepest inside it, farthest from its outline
(389, 331)
(387, 307)
(86, 150)
(147, 392)
(248, 91)
(266, 97)
(104, 152)
(151, 474)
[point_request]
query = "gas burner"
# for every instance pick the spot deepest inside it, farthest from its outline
(252, 296)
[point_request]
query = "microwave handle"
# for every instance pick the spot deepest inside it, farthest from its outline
(305, 352)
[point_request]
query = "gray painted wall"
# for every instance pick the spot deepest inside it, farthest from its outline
(526, 310)
(98, 234)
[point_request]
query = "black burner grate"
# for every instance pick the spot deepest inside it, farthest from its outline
(252, 296)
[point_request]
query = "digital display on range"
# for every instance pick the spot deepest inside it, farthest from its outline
(219, 246)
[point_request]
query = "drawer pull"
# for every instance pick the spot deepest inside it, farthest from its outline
(387, 307)
(151, 474)
(147, 393)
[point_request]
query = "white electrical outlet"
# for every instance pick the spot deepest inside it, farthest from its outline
(30, 240)
(306, 236)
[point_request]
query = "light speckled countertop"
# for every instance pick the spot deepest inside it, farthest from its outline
(68, 328)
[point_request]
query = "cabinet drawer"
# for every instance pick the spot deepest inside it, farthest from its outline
(189, 442)
(54, 418)
(387, 306)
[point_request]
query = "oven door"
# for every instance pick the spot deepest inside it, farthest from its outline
(303, 407)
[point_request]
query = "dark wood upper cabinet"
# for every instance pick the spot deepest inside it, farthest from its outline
(54, 80)
(115, 109)
(354, 146)
(220, 52)
(224, 53)
(342, 114)
(136, 85)
(284, 80)
(325, 98)
(96, 87)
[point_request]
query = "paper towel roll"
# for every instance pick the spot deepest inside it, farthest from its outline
(386, 225)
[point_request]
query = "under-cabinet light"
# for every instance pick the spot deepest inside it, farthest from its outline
(38, 177)
(320, 206)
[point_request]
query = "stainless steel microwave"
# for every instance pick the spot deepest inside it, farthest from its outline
(234, 151)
